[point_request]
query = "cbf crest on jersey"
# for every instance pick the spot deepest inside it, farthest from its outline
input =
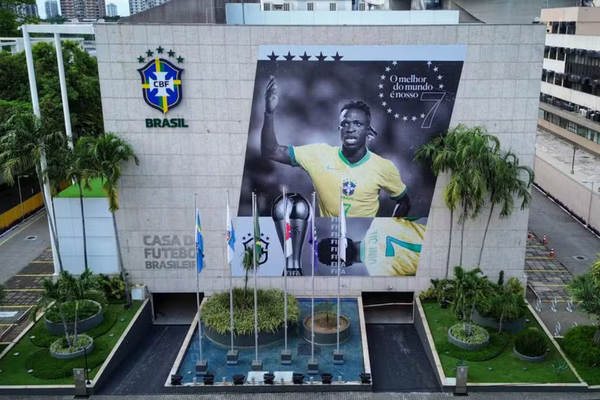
(161, 80)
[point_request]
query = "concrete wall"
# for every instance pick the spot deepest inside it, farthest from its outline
(499, 88)
(100, 235)
(573, 194)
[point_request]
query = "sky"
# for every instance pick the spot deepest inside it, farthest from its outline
(122, 7)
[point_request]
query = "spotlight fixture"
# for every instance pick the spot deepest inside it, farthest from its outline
(176, 380)
(365, 378)
(326, 379)
(208, 379)
(269, 378)
(238, 379)
(298, 378)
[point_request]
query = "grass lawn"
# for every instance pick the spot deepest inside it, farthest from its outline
(506, 368)
(591, 375)
(34, 353)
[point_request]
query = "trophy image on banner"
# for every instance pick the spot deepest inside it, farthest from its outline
(298, 211)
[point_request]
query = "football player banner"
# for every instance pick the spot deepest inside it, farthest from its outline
(349, 117)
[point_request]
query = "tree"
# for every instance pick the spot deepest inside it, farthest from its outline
(469, 289)
(508, 302)
(504, 182)
(24, 143)
(53, 293)
(77, 289)
(248, 264)
(81, 74)
(105, 157)
(585, 289)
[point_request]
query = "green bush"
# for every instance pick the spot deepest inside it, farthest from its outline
(61, 346)
(113, 287)
(531, 343)
(508, 299)
(86, 310)
(98, 296)
(428, 295)
(497, 345)
(45, 366)
(579, 346)
(215, 311)
(478, 334)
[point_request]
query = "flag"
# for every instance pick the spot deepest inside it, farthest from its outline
(343, 240)
(288, 232)
(230, 236)
(199, 243)
(312, 238)
(258, 242)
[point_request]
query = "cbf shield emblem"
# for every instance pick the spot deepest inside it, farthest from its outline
(161, 84)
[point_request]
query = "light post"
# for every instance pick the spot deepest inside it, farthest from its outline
(591, 199)
(573, 161)
(20, 195)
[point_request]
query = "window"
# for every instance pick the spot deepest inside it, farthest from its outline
(332, 6)
(581, 131)
(310, 6)
(572, 127)
(286, 6)
(267, 6)
(540, 113)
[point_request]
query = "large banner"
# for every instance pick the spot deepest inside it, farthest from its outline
(344, 122)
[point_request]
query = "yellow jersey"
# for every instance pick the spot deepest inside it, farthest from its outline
(360, 182)
(392, 247)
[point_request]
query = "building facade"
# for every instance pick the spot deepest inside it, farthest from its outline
(570, 95)
(82, 9)
(205, 139)
(137, 6)
(111, 10)
(51, 9)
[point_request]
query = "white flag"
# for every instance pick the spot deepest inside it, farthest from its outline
(230, 235)
(342, 239)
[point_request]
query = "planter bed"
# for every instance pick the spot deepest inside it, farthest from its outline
(322, 338)
(57, 328)
(465, 345)
(505, 367)
(51, 371)
(513, 327)
(244, 341)
(528, 359)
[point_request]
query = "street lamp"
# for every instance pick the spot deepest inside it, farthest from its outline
(591, 199)
(573, 160)
(20, 195)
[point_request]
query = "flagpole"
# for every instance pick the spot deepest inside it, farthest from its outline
(198, 288)
(338, 271)
(230, 273)
(254, 216)
(285, 325)
(312, 306)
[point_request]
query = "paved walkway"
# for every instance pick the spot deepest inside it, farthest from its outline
(575, 248)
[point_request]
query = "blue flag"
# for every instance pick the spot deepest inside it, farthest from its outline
(199, 243)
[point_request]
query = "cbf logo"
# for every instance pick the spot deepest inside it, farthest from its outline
(161, 80)
(348, 187)
(248, 240)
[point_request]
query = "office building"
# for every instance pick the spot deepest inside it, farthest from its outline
(137, 6)
(570, 89)
(51, 9)
(111, 10)
(82, 9)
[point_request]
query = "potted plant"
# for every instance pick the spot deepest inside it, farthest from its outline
(531, 346)
(326, 325)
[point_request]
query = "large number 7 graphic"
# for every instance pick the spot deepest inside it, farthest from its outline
(390, 241)
(431, 96)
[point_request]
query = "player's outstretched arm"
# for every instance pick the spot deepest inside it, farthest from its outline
(327, 247)
(269, 147)
(402, 207)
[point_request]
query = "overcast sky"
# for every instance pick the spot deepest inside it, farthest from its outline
(122, 7)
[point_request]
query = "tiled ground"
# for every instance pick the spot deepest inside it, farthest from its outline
(23, 291)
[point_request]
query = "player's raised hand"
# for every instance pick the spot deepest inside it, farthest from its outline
(271, 97)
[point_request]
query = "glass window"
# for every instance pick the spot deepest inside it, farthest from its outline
(540, 113)
(572, 127)
(581, 131)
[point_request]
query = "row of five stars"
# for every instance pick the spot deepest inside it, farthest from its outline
(160, 50)
(304, 57)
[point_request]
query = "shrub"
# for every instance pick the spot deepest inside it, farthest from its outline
(497, 345)
(478, 335)
(579, 345)
(429, 294)
(113, 286)
(98, 296)
(86, 310)
(531, 343)
(60, 345)
(215, 311)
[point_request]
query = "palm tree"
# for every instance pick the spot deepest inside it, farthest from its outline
(77, 289)
(469, 289)
(104, 159)
(585, 289)
(53, 293)
(248, 264)
(504, 182)
(508, 302)
(24, 145)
